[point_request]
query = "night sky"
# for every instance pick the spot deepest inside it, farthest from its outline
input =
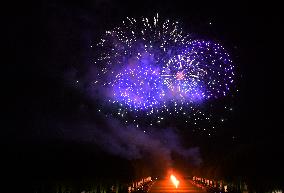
(48, 126)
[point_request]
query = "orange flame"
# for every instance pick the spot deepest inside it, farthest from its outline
(174, 181)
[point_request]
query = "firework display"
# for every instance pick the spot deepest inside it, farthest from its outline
(154, 66)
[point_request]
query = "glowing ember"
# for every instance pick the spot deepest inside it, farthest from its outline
(174, 181)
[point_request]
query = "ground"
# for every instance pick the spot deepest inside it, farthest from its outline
(166, 186)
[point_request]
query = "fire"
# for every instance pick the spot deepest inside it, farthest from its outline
(174, 181)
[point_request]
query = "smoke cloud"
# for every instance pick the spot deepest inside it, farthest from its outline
(131, 142)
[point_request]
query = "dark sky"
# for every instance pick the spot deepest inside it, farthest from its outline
(48, 38)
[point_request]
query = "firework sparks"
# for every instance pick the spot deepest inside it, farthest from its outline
(154, 67)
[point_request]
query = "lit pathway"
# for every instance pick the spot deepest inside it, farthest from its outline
(166, 186)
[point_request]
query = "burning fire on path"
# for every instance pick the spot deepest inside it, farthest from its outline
(175, 181)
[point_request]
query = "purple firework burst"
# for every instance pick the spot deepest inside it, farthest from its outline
(151, 65)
